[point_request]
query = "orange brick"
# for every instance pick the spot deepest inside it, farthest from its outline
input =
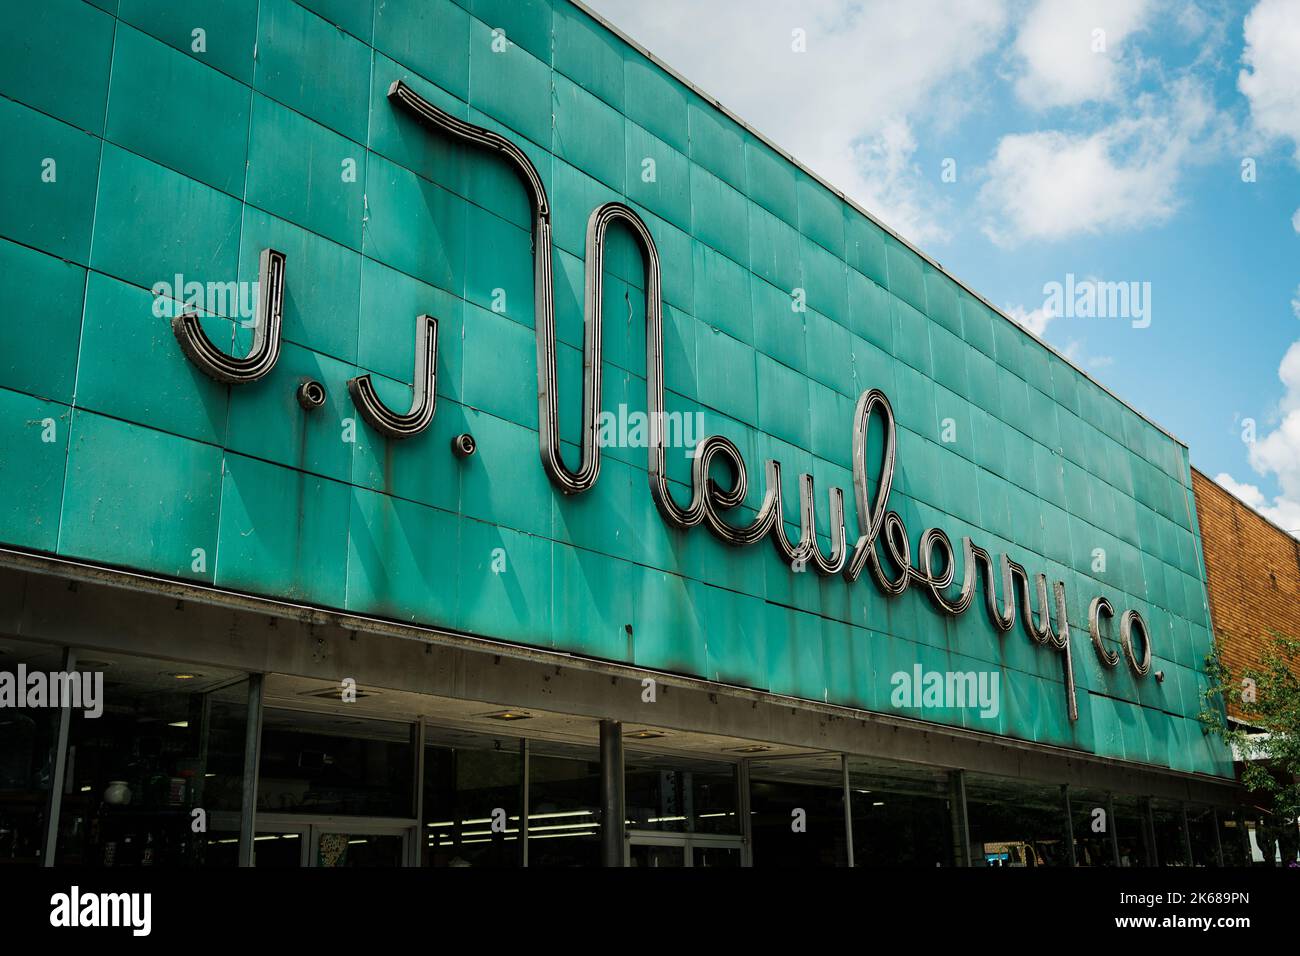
(1252, 571)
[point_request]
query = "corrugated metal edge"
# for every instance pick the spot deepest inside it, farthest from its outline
(618, 32)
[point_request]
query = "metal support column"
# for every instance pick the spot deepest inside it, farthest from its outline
(416, 856)
(54, 799)
(1218, 838)
(613, 816)
(746, 818)
(848, 810)
(960, 823)
(1187, 836)
(523, 801)
(1112, 827)
(252, 757)
(1071, 859)
(1149, 823)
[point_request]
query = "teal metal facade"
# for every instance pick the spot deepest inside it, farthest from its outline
(173, 160)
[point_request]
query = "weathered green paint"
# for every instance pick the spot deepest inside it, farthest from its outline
(207, 157)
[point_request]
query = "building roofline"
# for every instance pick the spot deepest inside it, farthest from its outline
(1237, 498)
(717, 104)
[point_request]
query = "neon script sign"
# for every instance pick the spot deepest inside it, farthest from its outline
(883, 546)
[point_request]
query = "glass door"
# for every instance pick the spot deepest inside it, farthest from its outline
(343, 845)
(652, 854)
(280, 844)
(657, 848)
(718, 855)
(294, 840)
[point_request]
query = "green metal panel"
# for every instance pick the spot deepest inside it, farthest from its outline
(151, 80)
(388, 567)
(144, 220)
(589, 134)
(121, 331)
(39, 357)
(140, 497)
(414, 226)
(587, 54)
(55, 57)
(34, 435)
(296, 170)
(355, 16)
(781, 304)
(229, 28)
(312, 67)
(284, 530)
(51, 168)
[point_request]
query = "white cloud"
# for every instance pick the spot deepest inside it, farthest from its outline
(1278, 452)
(1250, 494)
(1053, 184)
(1193, 21)
(1271, 79)
(1034, 321)
(848, 106)
(1074, 352)
(1058, 45)
(1295, 220)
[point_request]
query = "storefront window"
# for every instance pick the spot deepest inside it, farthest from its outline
(222, 848)
(1171, 847)
(797, 811)
(1234, 838)
(471, 799)
(1131, 831)
(680, 795)
(1014, 823)
(27, 740)
(900, 815)
(1201, 825)
(143, 777)
(564, 804)
(1090, 813)
(330, 764)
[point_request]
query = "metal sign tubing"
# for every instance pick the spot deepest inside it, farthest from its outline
(710, 499)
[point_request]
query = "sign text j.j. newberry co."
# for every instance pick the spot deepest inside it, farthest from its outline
(883, 543)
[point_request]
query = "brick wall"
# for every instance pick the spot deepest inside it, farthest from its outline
(1253, 571)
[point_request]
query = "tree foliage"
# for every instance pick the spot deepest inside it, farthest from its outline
(1265, 735)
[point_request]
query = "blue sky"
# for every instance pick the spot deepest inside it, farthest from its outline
(1139, 141)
